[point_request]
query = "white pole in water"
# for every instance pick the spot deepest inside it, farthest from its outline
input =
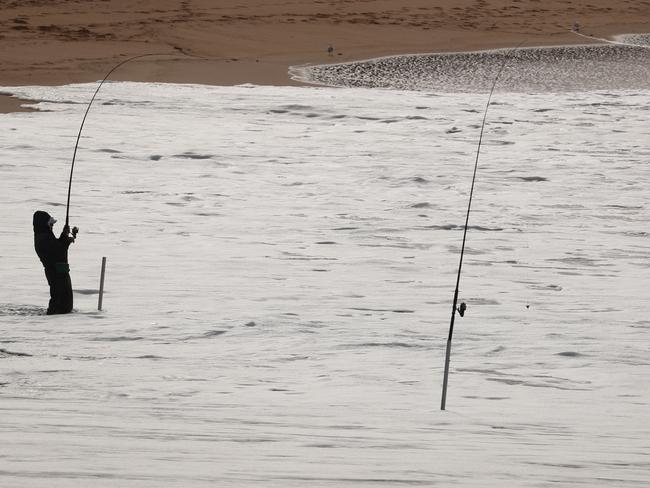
(101, 284)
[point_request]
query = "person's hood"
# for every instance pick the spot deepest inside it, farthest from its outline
(41, 222)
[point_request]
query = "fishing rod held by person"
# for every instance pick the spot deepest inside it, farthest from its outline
(83, 121)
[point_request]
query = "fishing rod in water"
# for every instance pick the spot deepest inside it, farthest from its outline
(455, 308)
(74, 155)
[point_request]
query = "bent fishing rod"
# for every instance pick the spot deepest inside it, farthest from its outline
(455, 308)
(83, 121)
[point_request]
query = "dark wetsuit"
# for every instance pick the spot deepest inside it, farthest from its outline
(53, 253)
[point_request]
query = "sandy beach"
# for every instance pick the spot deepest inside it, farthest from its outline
(254, 41)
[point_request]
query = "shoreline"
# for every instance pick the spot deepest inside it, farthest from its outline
(10, 104)
(242, 73)
(232, 42)
(37, 59)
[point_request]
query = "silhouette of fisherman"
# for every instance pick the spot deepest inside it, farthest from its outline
(53, 253)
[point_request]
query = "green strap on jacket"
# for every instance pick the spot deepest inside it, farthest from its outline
(62, 268)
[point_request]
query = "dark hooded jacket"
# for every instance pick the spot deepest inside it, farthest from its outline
(53, 253)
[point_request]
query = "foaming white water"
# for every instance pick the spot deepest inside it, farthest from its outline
(630, 40)
(281, 264)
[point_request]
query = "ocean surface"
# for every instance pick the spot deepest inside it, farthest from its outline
(281, 267)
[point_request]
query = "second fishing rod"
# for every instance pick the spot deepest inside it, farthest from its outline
(455, 308)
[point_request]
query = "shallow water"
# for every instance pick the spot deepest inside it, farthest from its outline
(621, 64)
(281, 264)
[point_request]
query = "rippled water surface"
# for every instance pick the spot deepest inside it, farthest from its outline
(281, 264)
(623, 63)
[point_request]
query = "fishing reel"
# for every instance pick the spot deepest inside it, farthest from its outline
(461, 309)
(74, 232)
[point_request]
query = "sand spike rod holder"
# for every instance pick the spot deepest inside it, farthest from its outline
(100, 300)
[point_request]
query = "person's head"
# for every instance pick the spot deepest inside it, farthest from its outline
(42, 222)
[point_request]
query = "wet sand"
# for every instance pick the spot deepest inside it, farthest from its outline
(231, 42)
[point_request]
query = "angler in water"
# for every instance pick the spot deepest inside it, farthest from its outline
(53, 253)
